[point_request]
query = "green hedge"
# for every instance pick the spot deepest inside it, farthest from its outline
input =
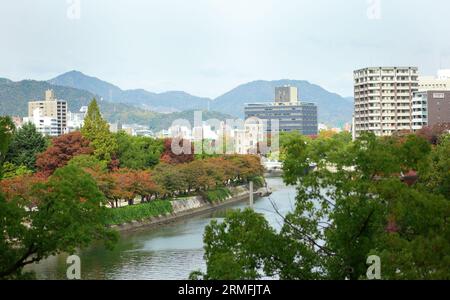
(258, 181)
(217, 195)
(139, 212)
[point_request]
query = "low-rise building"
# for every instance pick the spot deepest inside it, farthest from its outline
(76, 120)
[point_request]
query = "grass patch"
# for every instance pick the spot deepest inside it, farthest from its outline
(217, 195)
(139, 212)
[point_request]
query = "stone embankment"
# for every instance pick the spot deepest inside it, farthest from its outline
(192, 206)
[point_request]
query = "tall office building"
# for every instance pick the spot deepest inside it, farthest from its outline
(291, 114)
(383, 99)
(49, 116)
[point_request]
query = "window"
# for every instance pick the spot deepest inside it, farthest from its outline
(438, 95)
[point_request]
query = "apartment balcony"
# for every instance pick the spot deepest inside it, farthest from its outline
(419, 116)
(418, 120)
(419, 106)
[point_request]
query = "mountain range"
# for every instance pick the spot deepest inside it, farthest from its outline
(332, 108)
(144, 107)
(14, 97)
(163, 102)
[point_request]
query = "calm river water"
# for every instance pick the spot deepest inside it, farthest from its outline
(168, 252)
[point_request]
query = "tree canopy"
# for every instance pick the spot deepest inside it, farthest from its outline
(6, 134)
(61, 151)
(25, 145)
(96, 130)
(136, 152)
(376, 196)
(67, 213)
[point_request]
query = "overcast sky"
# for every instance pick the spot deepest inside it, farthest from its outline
(206, 47)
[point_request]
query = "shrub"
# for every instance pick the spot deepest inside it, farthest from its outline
(217, 195)
(258, 181)
(139, 212)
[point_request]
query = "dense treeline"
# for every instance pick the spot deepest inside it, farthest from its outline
(123, 166)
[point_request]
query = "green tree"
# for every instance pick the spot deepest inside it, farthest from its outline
(96, 129)
(138, 152)
(435, 169)
(11, 170)
(238, 247)
(6, 134)
(68, 214)
(26, 144)
(88, 162)
(354, 203)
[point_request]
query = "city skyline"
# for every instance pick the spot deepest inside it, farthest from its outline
(244, 41)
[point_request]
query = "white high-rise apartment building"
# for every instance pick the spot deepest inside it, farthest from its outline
(383, 99)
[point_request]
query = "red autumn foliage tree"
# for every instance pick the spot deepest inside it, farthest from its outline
(21, 187)
(63, 149)
(170, 157)
(144, 185)
(432, 133)
(123, 186)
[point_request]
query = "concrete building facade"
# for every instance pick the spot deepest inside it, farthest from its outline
(48, 115)
(291, 114)
(430, 108)
(441, 82)
(383, 99)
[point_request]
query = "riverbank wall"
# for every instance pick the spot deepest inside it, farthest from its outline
(189, 207)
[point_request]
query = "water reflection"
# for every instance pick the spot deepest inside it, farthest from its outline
(169, 252)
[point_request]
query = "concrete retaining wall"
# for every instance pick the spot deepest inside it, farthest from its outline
(189, 207)
(187, 204)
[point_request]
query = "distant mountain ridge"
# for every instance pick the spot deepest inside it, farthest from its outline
(140, 105)
(160, 102)
(14, 98)
(333, 109)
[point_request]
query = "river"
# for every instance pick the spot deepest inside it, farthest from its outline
(168, 252)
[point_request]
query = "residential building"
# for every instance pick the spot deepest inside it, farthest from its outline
(18, 121)
(290, 113)
(76, 120)
(144, 132)
(115, 127)
(322, 127)
(441, 82)
(383, 99)
(430, 108)
(347, 127)
(205, 132)
(48, 115)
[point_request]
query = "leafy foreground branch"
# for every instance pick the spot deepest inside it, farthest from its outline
(62, 214)
(376, 196)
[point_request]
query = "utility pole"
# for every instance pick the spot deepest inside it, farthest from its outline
(251, 194)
